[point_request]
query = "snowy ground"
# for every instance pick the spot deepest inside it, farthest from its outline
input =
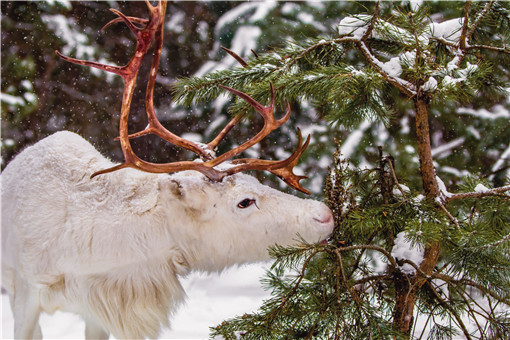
(212, 298)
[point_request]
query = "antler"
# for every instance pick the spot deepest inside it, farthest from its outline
(150, 30)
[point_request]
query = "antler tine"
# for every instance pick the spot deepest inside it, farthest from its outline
(133, 19)
(129, 24)
(283, 169)
(214, 143)
(104, 67)
(270, 124)
(155, 126)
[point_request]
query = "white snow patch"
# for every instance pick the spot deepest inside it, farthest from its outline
(392, 67)
(27, 84)
(233, 15)
(430, 84)
(505, 157)
(8, 142)
(498, 111)
(355, 26)
(175, 22)
(30, 97)
(243, 42)
(481, 188)
(442, 188)
(405, 250)
(11, 100)
(191, 136)
(449, 30)
(263, 8)
(446, 149)
(73, 39)
(410, 149)
(349, 146)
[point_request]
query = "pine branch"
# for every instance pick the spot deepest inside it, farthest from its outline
(463, 34)
(463, 281)
(371, 247)
(490, 192)
(286, 298)
(313, 47)
(490, 48)
(497, 243)
(402, 85)
(466, 35)
(479, 18)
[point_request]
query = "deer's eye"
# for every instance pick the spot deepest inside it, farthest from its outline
(245, 203)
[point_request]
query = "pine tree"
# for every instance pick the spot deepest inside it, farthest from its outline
(446, 257)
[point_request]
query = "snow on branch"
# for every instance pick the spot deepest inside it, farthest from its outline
(410, 255)
(480, 193)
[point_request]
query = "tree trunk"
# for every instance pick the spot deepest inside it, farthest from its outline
(407, 287)
(427, 170)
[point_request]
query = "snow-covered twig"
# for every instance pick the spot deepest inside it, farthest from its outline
(448, 146)
(402, 85)
(415, 266)
(479, 194)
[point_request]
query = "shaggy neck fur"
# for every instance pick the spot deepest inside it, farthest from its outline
(134, 302)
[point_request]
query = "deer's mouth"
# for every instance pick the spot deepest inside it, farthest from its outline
(324, 242)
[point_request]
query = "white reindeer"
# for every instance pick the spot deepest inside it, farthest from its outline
(110, 245)
(112, 248)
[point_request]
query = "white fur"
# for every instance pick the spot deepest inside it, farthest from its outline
(111, 248)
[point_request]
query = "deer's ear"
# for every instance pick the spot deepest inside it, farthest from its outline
(143, 198)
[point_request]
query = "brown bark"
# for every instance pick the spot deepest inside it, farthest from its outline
(424, 148)
(407, 287)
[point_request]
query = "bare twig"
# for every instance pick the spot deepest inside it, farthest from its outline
(349, 288)
(450, 216)
(372, 22)
(392, 171)
(468, 282)
(446, 305)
